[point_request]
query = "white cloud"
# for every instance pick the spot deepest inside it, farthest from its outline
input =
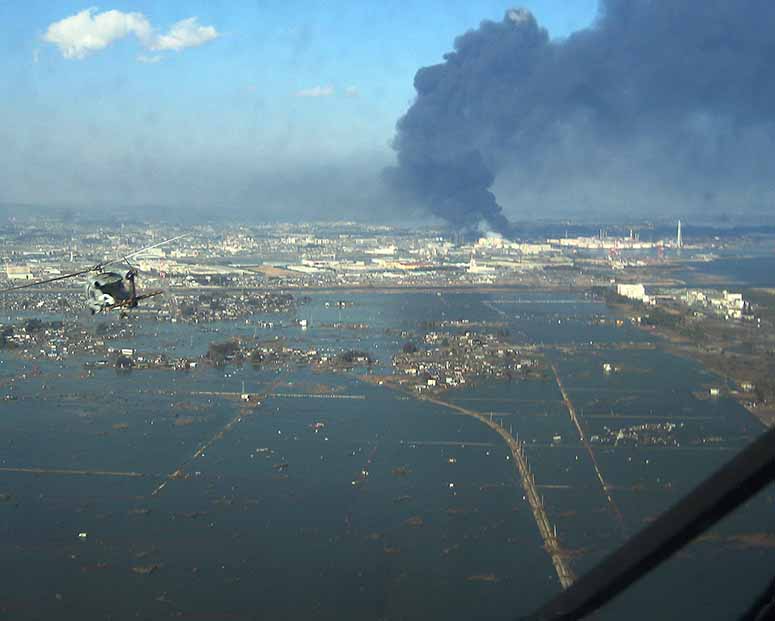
(351, 91)
(183, 34)
(316, 91)
(142, 58)
(86, 32)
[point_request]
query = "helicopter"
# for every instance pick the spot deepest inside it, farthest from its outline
(107, 289)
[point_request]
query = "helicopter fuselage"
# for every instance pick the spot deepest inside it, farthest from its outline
(108, 290)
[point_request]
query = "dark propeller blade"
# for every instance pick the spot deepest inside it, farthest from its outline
(47, 280)
(142, 250)
(720, 494)
(96, 268)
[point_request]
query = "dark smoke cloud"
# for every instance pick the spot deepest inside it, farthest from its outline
(662, 106)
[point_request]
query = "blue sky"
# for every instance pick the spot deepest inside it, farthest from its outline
(230, 105)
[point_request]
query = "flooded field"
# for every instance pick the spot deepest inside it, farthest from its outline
(159, 493)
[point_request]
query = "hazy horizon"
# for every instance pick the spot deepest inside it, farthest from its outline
(426, 113)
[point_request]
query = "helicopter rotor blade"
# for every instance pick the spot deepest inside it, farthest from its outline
(125, 259)
(47, 280)
(95, 268)
(161, 243)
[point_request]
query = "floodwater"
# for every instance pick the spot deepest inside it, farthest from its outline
(750, 271)
(275, 519)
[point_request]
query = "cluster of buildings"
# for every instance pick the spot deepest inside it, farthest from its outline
(646, 434)
(300, 255)
(603, 242)
(722, 304)
(58, 340)
(448, 360)
(224, 306)
(275, 354)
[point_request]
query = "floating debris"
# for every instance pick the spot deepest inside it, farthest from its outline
(489, 486)
(415, 521)
(483, 578)
(311, 531)
(189, 515)
(401, 471)
(101, 565)
(753, 540)
(146, 570)
(145, 553)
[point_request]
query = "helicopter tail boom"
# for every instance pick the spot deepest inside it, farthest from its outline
(132, 302)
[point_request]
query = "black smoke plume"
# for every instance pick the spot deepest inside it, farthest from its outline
(662, 106)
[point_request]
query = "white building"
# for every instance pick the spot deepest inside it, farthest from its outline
(384, 251)
(18, 272)
(479, 268)
(633, 292)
